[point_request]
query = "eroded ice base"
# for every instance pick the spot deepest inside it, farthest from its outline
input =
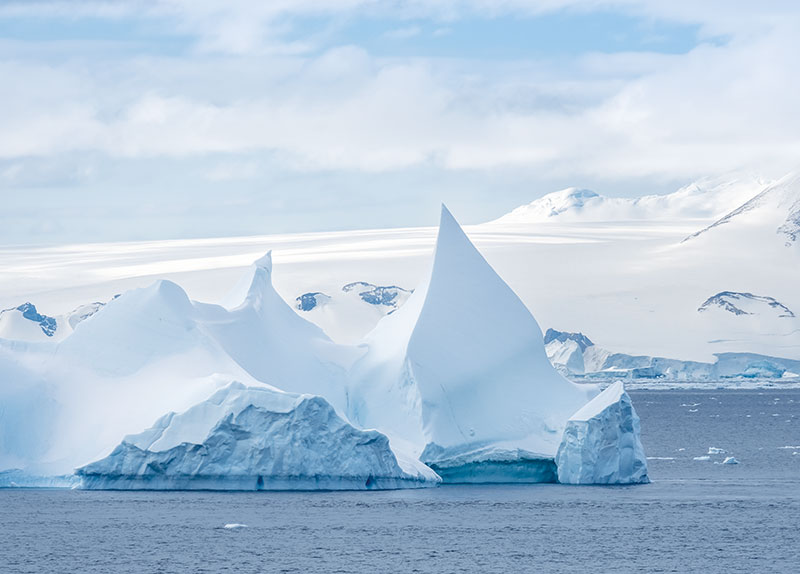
(489, 465)
(250, 483)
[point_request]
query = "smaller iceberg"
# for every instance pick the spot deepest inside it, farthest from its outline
(256, 438)
(601, 442)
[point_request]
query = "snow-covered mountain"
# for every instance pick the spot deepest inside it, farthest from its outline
(776, 209)
(25, 323)
(746, 304)
(348, 313)
(704, 199)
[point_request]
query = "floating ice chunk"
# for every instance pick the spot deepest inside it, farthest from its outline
(715, 450)
(601, 442)
(660, 458)
(730, 460)
(234, 526)
(702, 458)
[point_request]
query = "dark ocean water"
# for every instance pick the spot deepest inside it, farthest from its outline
(696, 516)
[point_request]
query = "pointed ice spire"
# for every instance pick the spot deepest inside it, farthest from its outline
(252, 284)
(261, 280)
(265, 262)
(461, 367)
(477, 355)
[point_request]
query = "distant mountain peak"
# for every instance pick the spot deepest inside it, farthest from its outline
(781, 200)
(309, 301)
(705, 199)
(745, 304)
(378, 294)
(562, 337)
(552, 205)
(48, 325)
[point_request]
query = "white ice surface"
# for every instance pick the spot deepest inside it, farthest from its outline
(461, 366)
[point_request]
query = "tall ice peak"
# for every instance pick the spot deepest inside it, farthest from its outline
(477, 355)
(251, 284)
(264, 262)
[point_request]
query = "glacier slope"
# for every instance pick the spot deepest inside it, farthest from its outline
(623, 276)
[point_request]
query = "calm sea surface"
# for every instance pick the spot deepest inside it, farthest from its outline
(696, 516)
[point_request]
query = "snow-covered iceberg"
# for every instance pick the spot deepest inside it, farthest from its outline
(456, 381)
(256, 438)
(601, 442)
(148, 352)
(460, 372)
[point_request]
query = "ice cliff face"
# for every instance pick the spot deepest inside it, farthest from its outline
(255, 439)
(601, 442)
(596, 363)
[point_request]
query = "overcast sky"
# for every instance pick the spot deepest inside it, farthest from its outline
(188, 118)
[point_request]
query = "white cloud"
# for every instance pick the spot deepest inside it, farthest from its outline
(716, 108)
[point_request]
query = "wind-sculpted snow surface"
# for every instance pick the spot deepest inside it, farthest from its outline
(252, 438)
(601, 442)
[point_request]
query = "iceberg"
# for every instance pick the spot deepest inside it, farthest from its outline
(454, 385)
(255, 438)
(601, 442)
(150, 351)
(460, 371)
